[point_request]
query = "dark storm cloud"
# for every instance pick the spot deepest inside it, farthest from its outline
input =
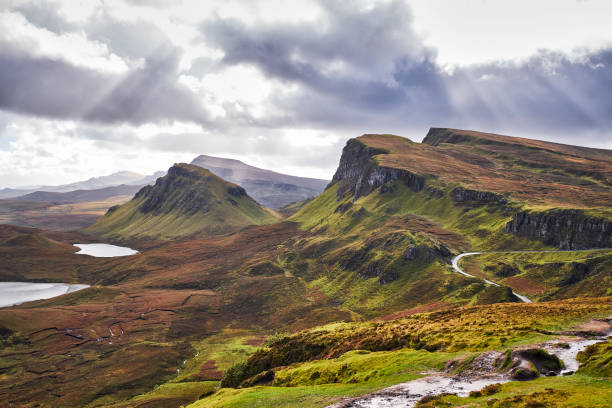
(53, 88)
(346, 47)
(367, 69)
(548, 90)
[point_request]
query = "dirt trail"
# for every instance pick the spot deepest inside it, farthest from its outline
(455, 263)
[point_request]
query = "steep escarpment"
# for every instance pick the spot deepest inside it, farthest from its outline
(177, 192)
(396, 208)
(360, 174)
(188, 200)
(462, 195)
(565, 229)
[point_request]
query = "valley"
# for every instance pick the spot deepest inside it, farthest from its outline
(417, 259)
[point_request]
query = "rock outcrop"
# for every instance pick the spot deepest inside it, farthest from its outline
(188, 201)
(462, 195)
(565, 229)
(361, 174)
(173, 192)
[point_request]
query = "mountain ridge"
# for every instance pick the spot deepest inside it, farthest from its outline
(541, 210)
(270, 188)
(93, 183)
(78, 196)
(188, 200)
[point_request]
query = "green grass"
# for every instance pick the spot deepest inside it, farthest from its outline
(468, 329)
(170, 394)
(320, 383)
(225, 349)
(356, 251)
(546, 392)
(328, 379)
(596, 360)
(285, 397)
(359, 366)
(482, 226)
(547, 276)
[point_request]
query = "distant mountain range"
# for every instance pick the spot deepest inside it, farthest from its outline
(113, 180)
(81, 196)
(272, 189)
(269, 188)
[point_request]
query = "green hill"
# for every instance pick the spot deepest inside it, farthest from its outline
(188, 201)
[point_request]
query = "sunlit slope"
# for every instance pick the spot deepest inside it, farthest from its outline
(396, 211)
(189, 200)
(556, 194)
(541, 173)
(321, 366)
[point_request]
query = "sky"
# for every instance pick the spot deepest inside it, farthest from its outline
(88, 88)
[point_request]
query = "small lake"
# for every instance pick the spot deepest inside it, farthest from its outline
(104, 250)
(14, 293)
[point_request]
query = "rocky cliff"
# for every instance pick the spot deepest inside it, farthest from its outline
(360, 174)
(188, 200)
(462, 195)
(565, 229)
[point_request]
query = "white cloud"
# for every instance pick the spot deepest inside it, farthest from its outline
(477, 31)
(72, 47)
(269, 115)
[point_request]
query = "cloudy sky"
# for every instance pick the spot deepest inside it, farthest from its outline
(92, 87)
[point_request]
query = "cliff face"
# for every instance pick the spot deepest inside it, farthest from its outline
(435, 136)
(370, 161)
(461, 195)
(189, 200)
(361, 175)
(565, 229)
(175, 192)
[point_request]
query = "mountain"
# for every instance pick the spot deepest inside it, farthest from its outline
(555, 193)
(354, 292)
(81, 196)
(395, 212)
(274, 190)
(115, 179)
(94, 183)
(187, 201)
(7, 193)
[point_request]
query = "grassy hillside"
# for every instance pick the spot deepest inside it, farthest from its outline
(543, 276)
(187, 201)
(541, 173)
(315, 368)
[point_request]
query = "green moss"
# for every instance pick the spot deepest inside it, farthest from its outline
(596, 360)
(361, 366)
(465, 329)
(545, 392)
(320, 383)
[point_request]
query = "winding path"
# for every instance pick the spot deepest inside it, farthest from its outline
(458, 269)
(455, 263)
